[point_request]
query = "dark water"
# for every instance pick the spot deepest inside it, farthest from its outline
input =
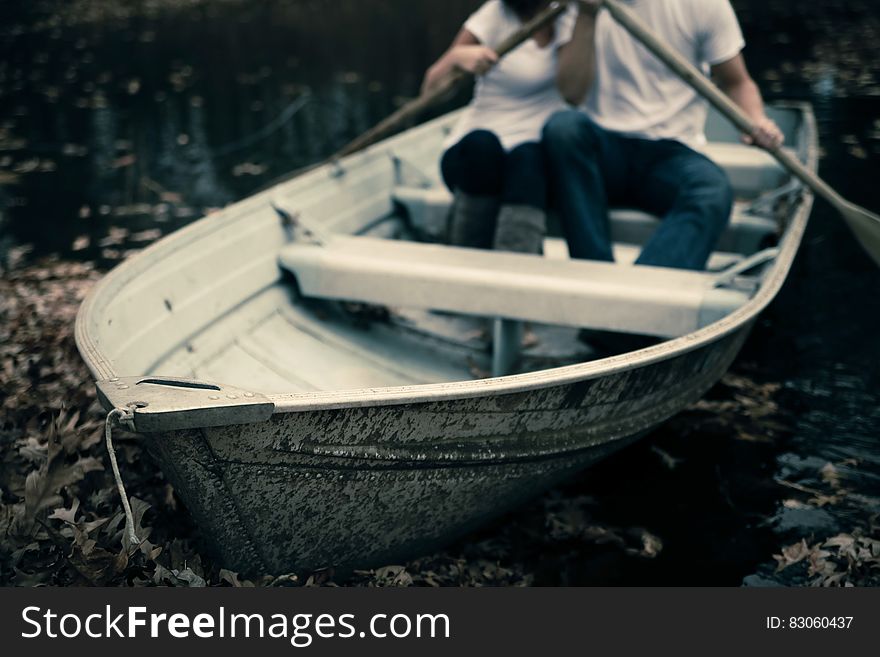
(118, 126)
(146, 120)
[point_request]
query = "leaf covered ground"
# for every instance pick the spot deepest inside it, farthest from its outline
(61, 521)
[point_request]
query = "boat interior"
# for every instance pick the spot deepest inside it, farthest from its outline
(339, 280)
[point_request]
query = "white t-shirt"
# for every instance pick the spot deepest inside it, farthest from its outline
(517, 97)
(635, 93)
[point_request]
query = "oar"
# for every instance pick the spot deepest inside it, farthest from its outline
(865, 224)
(450, 85)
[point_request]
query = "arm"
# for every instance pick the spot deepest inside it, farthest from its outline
(466, 54)
(577, 58)
(734, 80)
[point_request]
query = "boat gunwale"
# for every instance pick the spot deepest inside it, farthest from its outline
(772, 283)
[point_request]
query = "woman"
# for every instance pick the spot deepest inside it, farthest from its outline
(494, 159)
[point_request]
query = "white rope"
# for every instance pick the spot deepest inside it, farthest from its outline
(126, 417)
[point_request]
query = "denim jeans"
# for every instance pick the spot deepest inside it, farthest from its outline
(479, 165)
(592, 169)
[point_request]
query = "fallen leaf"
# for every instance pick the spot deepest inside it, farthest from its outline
(42, 487)
(66, 515)
(792, 555)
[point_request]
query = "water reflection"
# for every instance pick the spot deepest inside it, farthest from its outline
(155, 116)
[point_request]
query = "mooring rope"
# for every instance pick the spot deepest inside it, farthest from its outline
(121, 417)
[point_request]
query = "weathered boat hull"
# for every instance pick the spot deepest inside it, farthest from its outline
(369, 486)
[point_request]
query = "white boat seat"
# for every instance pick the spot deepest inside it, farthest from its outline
(428, 209)
(627, 254)
(642, 300)
(750, 170)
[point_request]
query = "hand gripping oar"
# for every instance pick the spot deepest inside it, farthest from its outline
(865, 224)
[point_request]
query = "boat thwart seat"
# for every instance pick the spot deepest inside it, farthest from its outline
(627, 254)
(630, 299)
(750, 170)
(428, 210)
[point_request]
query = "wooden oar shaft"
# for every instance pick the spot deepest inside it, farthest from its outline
(452, 83)
(705, 87)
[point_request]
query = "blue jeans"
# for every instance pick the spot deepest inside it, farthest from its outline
(592, 169)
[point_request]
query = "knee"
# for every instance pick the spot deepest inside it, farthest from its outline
(722, 191)
(712, 191)
(564, 125)
(482, 144)
(567, 130)
(475, 165)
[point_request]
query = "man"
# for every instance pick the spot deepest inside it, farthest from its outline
(635, 140)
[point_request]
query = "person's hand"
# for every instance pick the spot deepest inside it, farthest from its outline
(475, 59)
(766, 134)
(589, 7)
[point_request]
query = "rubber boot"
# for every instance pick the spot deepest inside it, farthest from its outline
(472, 220)
(521, 228)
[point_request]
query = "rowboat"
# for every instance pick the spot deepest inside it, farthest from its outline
(309, 366)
